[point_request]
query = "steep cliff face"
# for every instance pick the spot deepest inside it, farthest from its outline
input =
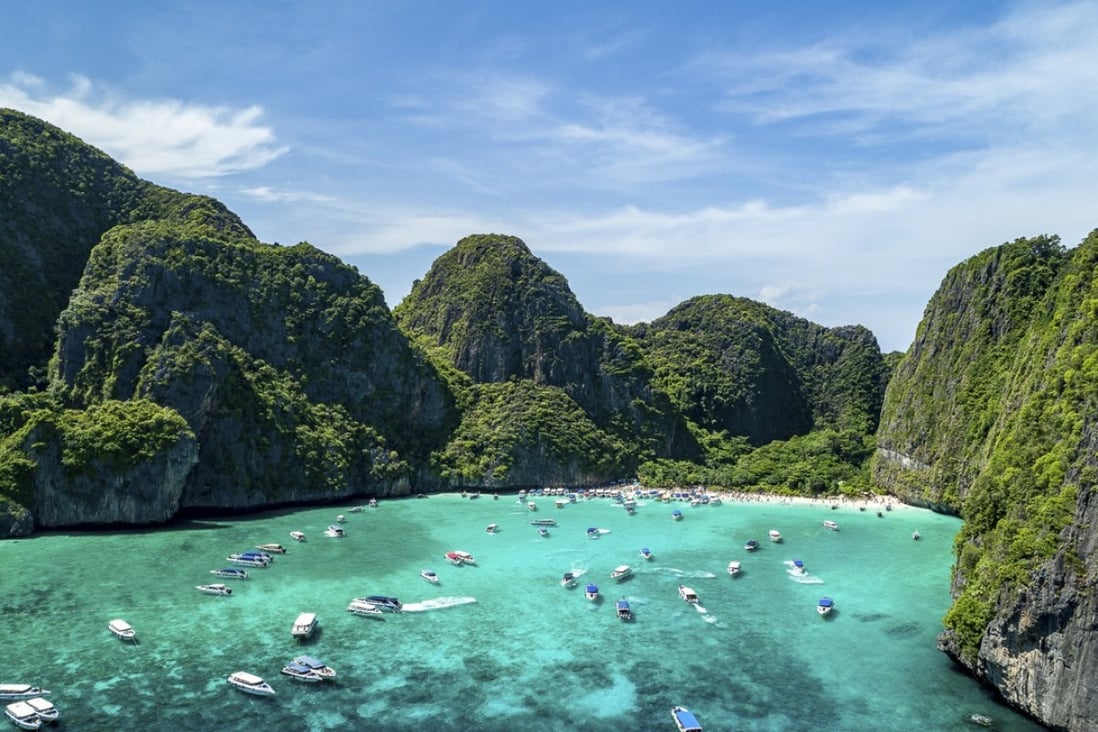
(285, 362)
(738, 366)
(948, 392)
(497, 312)
(991, 414)
(57, 198)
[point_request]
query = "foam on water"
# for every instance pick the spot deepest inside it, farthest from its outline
(505, 647)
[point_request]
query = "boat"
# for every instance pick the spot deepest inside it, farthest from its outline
(915, 535)
(676, 515)
(384, 602)
(491, 528)
(798, 567)
(560, 503)
(23, 715)
(685, 720)
(300, 672)
(122, 629)
(980, 719)
(334, 531)
(271, 548)
(543, 532)
(751, 545)
(45, 709)
(317, 666)
(831, 525)
(593, 533)
(825, 605)
(544, 522)
(359, 606)
(631, 510)
(230, 572)
(250, 559)
(532, 506)
(304, 626)
(372, 503)
(646, 552)
(250, 683)
(734, 568)
(297, 535)
(568, 580)
(775, 535)
(621, 572)
(21, 691)
(453, 558)
(214, 589)
(688, 594)
(592, 591)
(465, 557)
(341, 519)
(430, 575)
(624, 611)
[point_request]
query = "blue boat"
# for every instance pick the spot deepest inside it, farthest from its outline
(300, 672)
(798, 567)
(250, 559)
(825, 605)
(685, 720)
(676, 515)
(624, 611)
(384, 602)
(592, 592)
(751, 545)
(231, 572)
(317, 666)
(542, 531)
(646, 552)
(593, 532)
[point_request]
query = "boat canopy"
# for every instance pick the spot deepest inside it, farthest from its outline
(686, 720)
(826, 602)
(309, 661)
(592, 588)
(299, 668)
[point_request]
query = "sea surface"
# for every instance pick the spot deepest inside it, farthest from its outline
(500, 645)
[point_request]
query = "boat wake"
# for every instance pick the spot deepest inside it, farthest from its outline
(805, 579)
(437, 603)
(691, 573)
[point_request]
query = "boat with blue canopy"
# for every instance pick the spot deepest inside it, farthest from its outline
(592, 591)
(676, 515)
(231, 572)
(646, 552)
(300, 672)
(685, 720)
(317, 666)
(624, 611)
(825, 606)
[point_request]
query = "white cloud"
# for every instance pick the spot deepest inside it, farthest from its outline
(153, 137)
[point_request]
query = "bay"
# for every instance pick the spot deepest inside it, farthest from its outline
(500, 645)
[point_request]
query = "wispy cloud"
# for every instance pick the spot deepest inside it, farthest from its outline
(153, 137)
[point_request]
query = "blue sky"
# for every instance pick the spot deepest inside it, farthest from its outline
(830, 159)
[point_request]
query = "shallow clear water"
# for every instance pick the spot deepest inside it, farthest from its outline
(500, 645)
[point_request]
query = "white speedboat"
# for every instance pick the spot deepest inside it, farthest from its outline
(621, 572)
(297, 535)
(915, 535)
(591, 592)
(830, 525)
(359, 606)
(453, 558)
(299, 672)
(543, 532)
(491, 528)
(465, 557)
(215, 589)
(532, 506)
(568, 580)
(775, 535)
(734, 568)
(45, 709)
(355, 509)
(685, 720)
(430, 575)
(688, 594)
(384, 602)
(334, 531)
(271, 548)
(825, 606)
(122, 629)
(799, 568)
(544, 522)
(593, 533)
(341, 519)
(21, 691)
(23, 715)
(304, 625)
(230, 572)
(317, 666)
(250, 683)
(646, 553)
(751, 545)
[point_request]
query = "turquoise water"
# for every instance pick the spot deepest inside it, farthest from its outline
(500, 645)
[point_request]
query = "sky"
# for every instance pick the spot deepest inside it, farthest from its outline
(832, 159)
